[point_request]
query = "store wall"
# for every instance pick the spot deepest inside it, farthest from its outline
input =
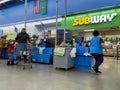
(16, 13)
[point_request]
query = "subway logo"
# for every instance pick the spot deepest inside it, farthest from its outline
(94, 19)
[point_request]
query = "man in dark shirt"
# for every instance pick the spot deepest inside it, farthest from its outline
(21, 39)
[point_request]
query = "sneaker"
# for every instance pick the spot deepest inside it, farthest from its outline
(99, 72)
(12, 63)
(93, 69)
(8, 62)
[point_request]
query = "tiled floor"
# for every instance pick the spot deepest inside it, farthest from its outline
(45, 77)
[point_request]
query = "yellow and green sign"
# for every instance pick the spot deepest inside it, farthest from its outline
(101, 19)
(11, 36)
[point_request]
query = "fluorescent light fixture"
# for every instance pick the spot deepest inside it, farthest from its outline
(88, 30)
(4, 1)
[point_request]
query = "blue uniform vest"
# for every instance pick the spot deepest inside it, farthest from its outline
(95, 46)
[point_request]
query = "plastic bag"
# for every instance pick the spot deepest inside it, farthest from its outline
(73, 53)
(41, 50)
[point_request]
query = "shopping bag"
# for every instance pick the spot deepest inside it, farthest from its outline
(73, 53)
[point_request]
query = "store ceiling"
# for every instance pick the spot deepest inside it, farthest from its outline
(10, 3)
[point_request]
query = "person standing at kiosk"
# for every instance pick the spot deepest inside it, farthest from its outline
(96, 50)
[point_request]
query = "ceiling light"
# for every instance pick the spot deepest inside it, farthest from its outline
(4, 1)
(89, 30)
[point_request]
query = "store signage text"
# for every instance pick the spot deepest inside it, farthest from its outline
(94, 19)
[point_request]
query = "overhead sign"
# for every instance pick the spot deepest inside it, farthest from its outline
(43, 6)
(94, 19)
(102, 19)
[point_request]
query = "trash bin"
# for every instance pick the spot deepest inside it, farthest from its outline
(64, 61)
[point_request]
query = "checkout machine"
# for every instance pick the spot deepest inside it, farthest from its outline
(83, 59)
(42, 53)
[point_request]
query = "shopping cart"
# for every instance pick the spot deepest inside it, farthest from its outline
(24, 58)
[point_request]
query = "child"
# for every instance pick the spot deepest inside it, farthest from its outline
(11, 46)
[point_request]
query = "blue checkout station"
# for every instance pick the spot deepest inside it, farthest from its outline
(45, 57)
(81, 61)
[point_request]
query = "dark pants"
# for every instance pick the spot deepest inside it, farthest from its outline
(98, 60)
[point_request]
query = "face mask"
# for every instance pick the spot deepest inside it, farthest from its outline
(11, 42)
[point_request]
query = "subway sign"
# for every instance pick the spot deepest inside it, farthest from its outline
(102, 19)
(94, 19)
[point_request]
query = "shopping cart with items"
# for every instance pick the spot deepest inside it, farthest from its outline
(24, 58)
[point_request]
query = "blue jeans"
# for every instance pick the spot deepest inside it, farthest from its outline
(21, 47)
(10, 57)
(98, 60)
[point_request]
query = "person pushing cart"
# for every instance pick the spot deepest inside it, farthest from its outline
(23, 49)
